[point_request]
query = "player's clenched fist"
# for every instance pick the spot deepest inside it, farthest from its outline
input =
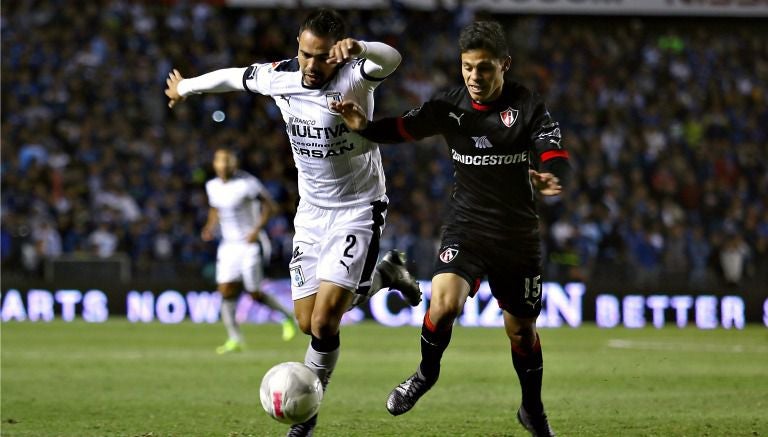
(174, 77)
(344, 50)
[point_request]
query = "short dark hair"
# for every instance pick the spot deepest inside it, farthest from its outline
(225, 149)
(487, 35)
(324, 23)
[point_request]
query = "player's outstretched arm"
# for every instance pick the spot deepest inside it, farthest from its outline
(219, 81)
(553, 171)
(174, 77)
(383, 59)
(345, 50)
(380, 131)
(411, 127)
(352, 114)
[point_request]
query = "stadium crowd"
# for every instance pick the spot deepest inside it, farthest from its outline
(666, 121)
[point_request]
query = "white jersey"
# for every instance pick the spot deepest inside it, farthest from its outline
(237, 204)
(336, 167)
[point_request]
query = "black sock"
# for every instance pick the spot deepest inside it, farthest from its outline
(529, 365)
(433, 344)
(328, 344)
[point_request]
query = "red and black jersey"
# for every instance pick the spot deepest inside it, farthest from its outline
(492, 145)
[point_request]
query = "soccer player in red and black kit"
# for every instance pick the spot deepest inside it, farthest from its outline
(498, 132)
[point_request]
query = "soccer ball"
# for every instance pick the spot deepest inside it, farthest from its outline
(291, 393)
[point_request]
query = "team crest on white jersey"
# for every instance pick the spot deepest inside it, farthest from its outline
(448, 254)
(297, 276)
(332, 97)
(508, 116)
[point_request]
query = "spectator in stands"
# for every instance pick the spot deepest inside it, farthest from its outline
(670, 129)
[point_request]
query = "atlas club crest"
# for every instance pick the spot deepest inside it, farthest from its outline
(448, 254)
(508, 116)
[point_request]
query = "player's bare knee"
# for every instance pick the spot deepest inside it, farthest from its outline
(305, 325)
(523, 336)
(324, 325)
(304, 320)
(443, 313)
(228, 290)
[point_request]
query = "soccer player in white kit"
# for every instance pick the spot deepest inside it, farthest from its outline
(343, 203)
(240, 207)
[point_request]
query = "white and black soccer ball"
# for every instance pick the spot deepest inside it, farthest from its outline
(291, 393)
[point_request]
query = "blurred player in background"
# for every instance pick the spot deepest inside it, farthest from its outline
(241, 207)
(343, 203)
(498, 132)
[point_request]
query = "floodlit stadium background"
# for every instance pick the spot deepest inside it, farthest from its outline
(664, 112)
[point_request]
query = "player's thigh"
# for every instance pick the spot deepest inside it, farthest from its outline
(306, 251)
(229, 262)
(457, 274)
(350, 247)
(331, 302)
(515, 282)
(449, 292)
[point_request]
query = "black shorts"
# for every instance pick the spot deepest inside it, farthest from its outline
(513, 269)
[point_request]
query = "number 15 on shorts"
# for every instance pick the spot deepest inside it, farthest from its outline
(533, 290)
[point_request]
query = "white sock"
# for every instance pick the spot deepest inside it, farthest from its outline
(322, 363)
(228, 307)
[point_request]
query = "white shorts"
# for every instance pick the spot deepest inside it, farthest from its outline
(242, 262)
(337, 245)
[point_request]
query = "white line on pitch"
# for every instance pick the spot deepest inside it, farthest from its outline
(685, 347)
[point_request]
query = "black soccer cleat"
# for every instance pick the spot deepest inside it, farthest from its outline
(304, 429)
(405, 395)
(395, 275)
(538, 425)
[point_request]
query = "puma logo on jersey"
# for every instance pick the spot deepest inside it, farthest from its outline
(482, 142)
(345, 266)
(457, 117)
(532, 303)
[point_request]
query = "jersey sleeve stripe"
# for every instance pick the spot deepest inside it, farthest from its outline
(248, 72)
(552, 154)
(401, 130)
(368, 77)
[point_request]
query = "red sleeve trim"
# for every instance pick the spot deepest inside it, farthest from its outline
(552, 154)
(401, 130)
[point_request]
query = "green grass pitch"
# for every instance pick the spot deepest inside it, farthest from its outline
(122, 379)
